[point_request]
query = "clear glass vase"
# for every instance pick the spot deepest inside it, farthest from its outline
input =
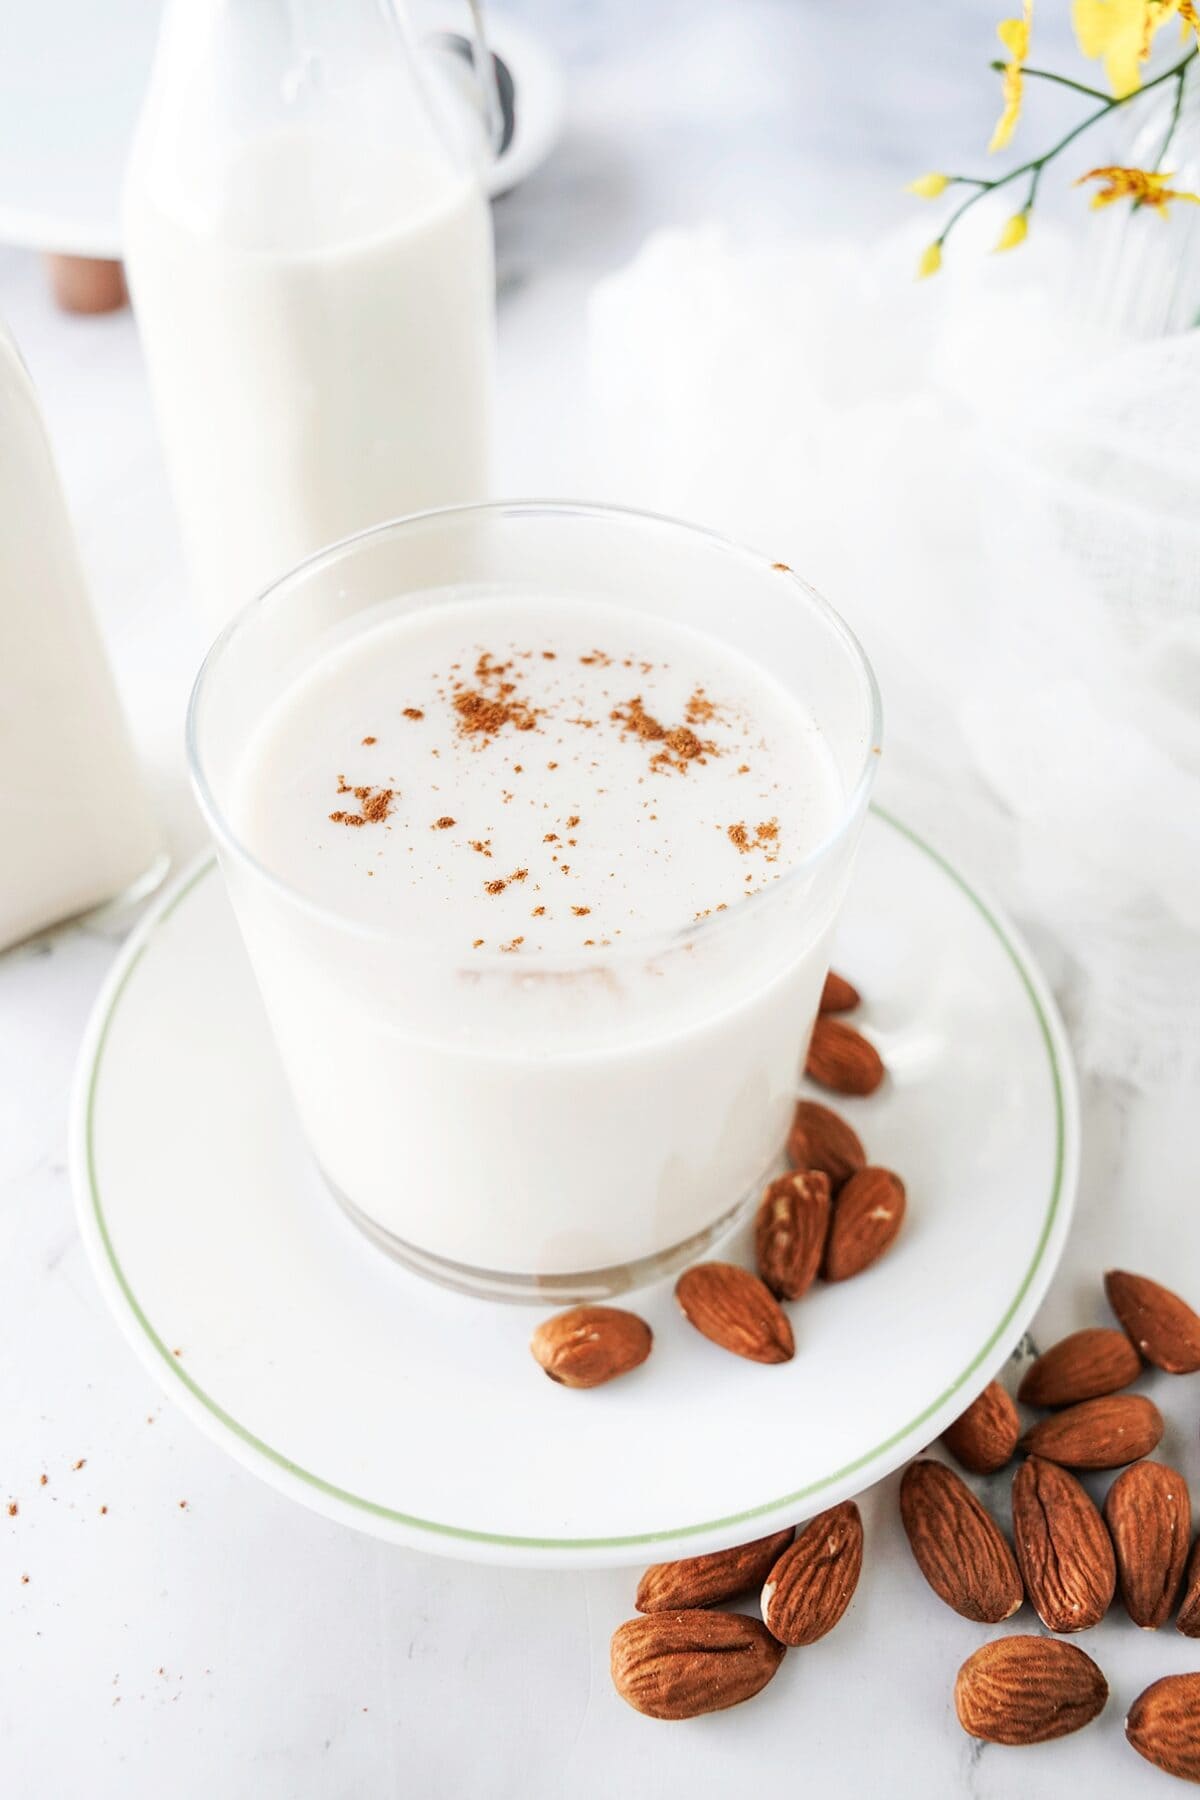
(1142, 269)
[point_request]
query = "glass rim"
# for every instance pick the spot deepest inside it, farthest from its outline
(639, 944)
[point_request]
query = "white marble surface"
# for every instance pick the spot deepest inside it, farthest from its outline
(202, 1636)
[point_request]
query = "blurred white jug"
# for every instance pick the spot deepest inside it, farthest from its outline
(76, 827)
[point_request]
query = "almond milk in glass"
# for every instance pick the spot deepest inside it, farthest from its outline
(536, 819)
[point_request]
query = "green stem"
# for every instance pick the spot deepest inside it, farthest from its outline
(1036, 164)
(1077, 87)
(1180, 78)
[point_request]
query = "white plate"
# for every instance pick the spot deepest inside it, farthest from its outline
(72, 78)
(418, 1414)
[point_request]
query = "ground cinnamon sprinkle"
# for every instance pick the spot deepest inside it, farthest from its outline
(444, 823)
(551, 837)
(519, 875)
(368, 740)
(410, 712)
(375, 804)
(538, 911)
(515, 945)
(682, 746)
(482, 845)
(13, 1509)
(581, 912)
(765, 835)
(699, 709)
(494, 887)
(476, 943)
(485, 710)
(573, 820)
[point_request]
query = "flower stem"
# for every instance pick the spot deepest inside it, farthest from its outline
(1036, 164)
(1077, 87)
(1180, 79)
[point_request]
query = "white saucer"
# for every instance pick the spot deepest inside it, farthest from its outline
(419, 1415)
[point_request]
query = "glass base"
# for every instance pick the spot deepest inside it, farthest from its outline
(542, 1290)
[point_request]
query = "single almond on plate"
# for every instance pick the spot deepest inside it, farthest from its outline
(1098, 1434)
(866, 1217)
(959, 1548)
(838, 995)
(843, 1059)
(677, 1665)
(821, 1139)
(1164, 1327)
(1025, 1690)
(1164, 1725)
(1063, 1550)
(705, 1580)
(1149, 1515)
(589, 1345)
(790, 1230)
(1189, 1607)
(736, 1310)
(813, 1583)
(984, 1438)
(1083, 1366)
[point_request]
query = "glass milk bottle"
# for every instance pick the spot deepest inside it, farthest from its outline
(309, 249)
(75, 825)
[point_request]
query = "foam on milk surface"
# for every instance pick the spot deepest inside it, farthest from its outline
(514, 774)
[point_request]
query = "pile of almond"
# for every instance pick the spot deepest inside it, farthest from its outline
(681, 1659)
(1071, 1558)
(831, 1216)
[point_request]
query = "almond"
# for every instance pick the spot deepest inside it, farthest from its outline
(842, 1059)
(1149, 1513)
(821, 1139)
(677, 1665)
(735, 1310)
(813, 1583)
(984, 1438)
(1164, 1327)
(1164, 1725)
(704, 1580)
(1025, 1690)
(1098, 1434)
(1064, 1552)
(1189, 1607)
(790, 1232)
(868, 1214)
(1081, 1367)
(589, 1345)
(959, 1548)
(838, 995)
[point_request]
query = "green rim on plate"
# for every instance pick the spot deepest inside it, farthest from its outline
(462, 1532)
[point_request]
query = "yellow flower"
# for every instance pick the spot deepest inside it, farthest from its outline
(928, 187)
(1015, 232)
(931, 261)
(1189, 19)
(1120, 33)
(1014, 35)
(1143, 186)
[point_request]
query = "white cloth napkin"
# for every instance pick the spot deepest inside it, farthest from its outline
(1005, 503)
